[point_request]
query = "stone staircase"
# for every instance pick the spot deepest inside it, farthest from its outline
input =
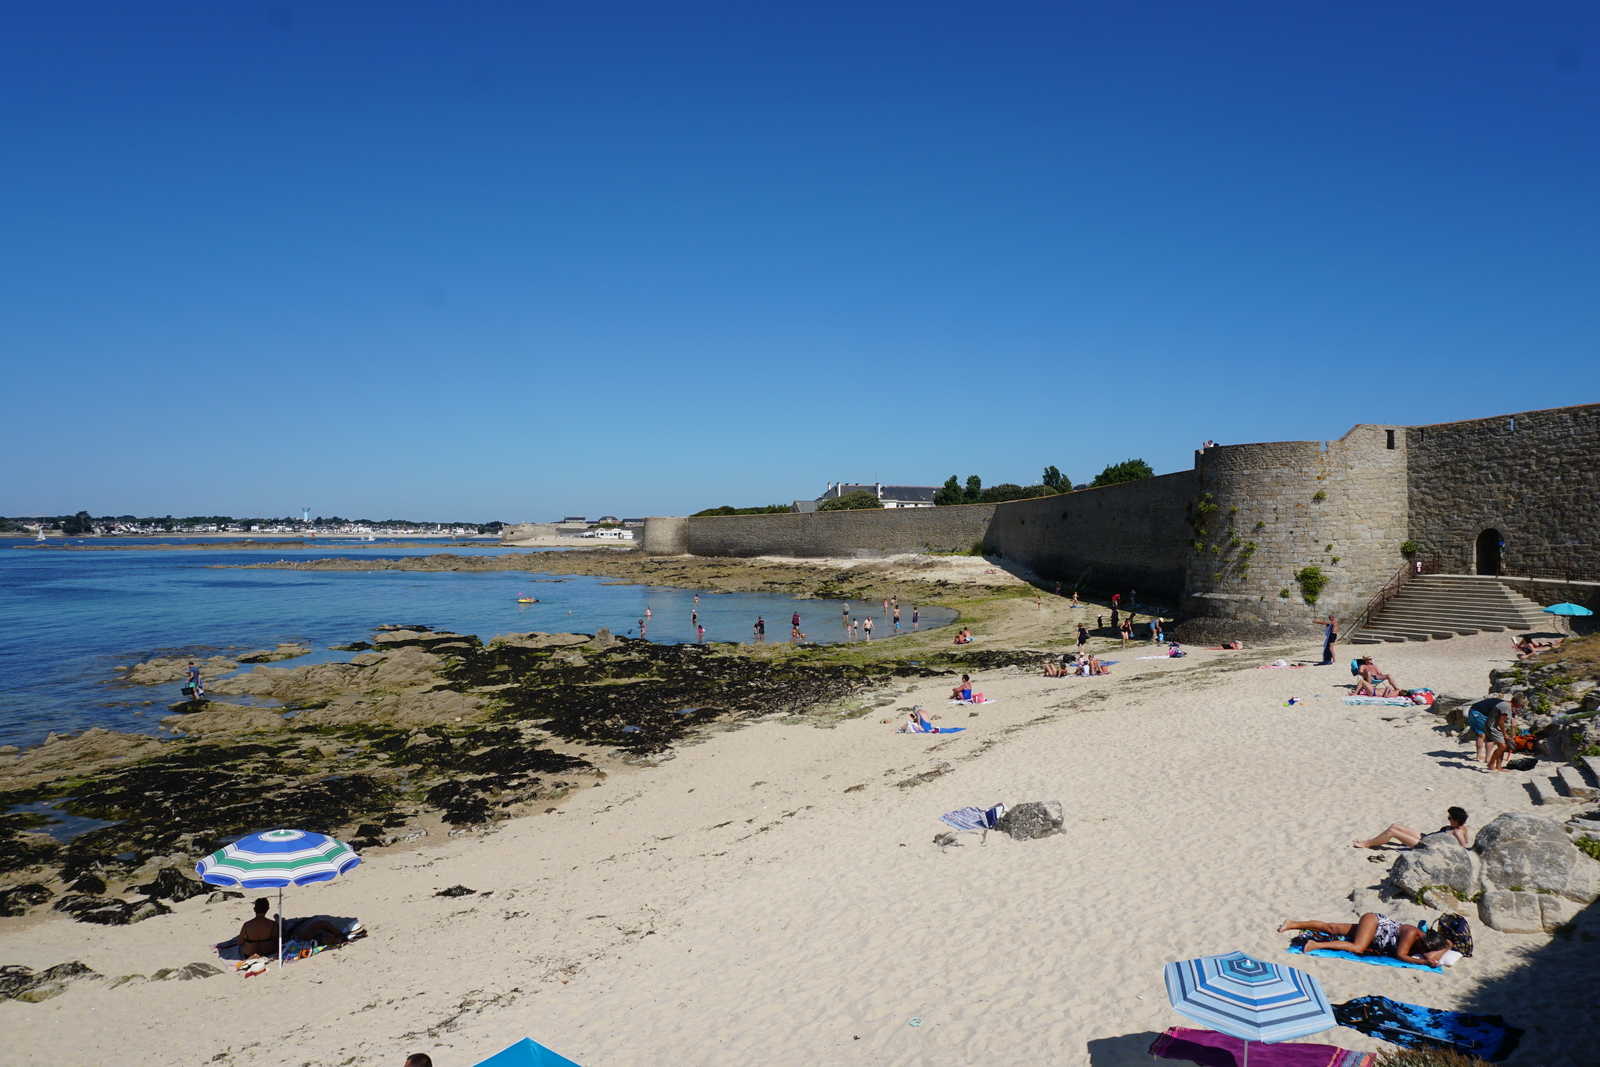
(1432, 607)
(1578, 780)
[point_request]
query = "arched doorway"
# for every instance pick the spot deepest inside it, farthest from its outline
(1488, 553)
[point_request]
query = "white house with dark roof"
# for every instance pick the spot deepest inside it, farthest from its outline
(891, 496)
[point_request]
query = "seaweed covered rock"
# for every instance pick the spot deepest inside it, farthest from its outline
(1030, 820)
(109, 911)
(17, 899)
(172, 884)
(30, 986)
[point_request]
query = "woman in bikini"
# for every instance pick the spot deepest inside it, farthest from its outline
(258, 937)
(1376, 935)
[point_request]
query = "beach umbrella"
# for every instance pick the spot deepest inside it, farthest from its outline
(1248, 998)
(1567, 609)
(273, 859)
(526, 1053)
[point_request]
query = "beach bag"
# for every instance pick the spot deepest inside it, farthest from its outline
(1458, 930)
(1420, 696)
(188, 692)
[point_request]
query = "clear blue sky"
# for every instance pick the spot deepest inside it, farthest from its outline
(511, 261)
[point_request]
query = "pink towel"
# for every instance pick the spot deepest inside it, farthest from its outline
(1209, 1048)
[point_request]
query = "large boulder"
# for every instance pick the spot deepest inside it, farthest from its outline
(172, 884)
(1511, 912)
(1030, 820)
(1524, 853)
(1438, 860)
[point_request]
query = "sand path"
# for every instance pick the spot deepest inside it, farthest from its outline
(745, 903)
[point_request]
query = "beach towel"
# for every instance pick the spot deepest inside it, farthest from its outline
(1396, 702)
(973, 818)
(1299, 943)
(1280, 666)
(974, 700)
(1411, 1026)
(934, 730)
(1162, 656)
(1210, 1048)
(228, 950)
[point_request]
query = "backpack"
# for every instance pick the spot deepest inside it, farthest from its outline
(1458, 930)
(1355, 668)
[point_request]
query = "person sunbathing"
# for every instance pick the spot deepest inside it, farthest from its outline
(259, 936)
(1093, 666)
(917, 723)
(962, 691)
(1376, 935)
(1369, 678)
(1527, 647)
(1456, 828)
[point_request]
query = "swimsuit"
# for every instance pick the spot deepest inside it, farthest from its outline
(1386, 938)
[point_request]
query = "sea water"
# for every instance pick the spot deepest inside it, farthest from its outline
(70, 617)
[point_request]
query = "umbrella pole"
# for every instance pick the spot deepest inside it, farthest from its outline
(280, 928)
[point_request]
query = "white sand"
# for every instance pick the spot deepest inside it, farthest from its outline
(738, 906)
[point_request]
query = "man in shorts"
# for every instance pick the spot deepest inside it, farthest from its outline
(1489, 722)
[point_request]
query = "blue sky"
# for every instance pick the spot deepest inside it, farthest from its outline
(512, 261)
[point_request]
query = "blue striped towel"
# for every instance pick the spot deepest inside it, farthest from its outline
(973, 818)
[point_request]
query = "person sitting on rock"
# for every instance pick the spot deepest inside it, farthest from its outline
(1456, 828)
(259, 936)
(1369, 678)
(1376, 935)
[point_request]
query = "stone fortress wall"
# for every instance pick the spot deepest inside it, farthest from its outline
(1531, 477)
(860, 534)
(1226, 539)
(1116, 537)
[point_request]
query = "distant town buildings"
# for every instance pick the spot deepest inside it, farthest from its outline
(891, 496)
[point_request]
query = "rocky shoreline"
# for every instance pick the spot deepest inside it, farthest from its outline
(425, 732)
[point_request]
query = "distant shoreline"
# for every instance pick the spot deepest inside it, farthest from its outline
(342, 544)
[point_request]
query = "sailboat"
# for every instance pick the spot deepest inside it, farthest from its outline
(40, 536)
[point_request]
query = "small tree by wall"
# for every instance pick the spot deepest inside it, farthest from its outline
(856, 501)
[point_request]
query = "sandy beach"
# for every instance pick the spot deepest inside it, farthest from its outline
(772, 895)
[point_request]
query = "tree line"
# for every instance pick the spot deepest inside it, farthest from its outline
(1051, 483)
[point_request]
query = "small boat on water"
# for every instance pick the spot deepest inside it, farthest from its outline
(527, 600)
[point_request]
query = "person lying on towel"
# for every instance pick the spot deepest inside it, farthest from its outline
(917, 723)
(1376, 935)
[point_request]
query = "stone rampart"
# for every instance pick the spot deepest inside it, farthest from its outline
(1265, 512)
(1227, 539)
(865, 534)
(1110, 539)
(1531, 479)
(666, 536)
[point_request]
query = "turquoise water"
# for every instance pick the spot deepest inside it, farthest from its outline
(70, 617)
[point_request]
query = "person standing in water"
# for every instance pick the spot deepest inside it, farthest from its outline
(897, 618)
(795, 622)
(845, 614)
(913, 618)
(866, 625)
(700, 634)
(694, 618)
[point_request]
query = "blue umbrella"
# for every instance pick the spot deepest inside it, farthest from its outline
(1567, 609)
(526, 1053)
(1248, 998)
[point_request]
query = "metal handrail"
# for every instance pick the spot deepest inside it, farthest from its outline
(1390, 589)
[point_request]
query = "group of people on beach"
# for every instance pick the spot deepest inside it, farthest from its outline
(1072, 666)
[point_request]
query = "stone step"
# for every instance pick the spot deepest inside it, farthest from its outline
(1591, 768)
(1544, 792)
(1570, 782)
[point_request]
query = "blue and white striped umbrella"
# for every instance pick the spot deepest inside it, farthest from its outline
(1248, 998)
(276, 858)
